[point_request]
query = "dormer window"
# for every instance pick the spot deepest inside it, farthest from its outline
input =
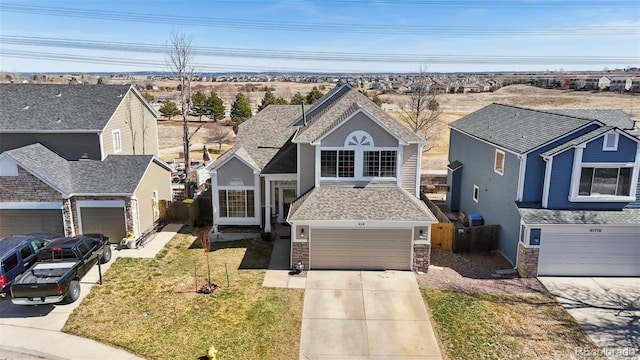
(610, 142)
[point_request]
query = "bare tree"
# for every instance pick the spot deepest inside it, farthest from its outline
(421, 110)
(178, 57)
(129, 121)
(219, 135)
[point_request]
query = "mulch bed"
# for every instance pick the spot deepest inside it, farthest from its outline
(475, 273)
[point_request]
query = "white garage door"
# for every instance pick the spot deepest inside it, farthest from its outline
(589, 255)
(104, 220)
(370, 249)
(25, 221)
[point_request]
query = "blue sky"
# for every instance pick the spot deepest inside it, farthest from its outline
(442, 36)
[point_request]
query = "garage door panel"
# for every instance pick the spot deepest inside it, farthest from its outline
(378, 249)
(108, 221)
(25, 221)
(584, 255)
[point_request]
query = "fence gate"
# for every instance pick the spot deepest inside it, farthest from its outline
(442, 236)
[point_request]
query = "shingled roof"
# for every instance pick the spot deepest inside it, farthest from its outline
(65, 108)
(262, 136)
(341, 105)
(539, 216)
(116, 175)
(577, 141)
(335, 203)
(521, 130)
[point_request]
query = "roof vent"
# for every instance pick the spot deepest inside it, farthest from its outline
(84, 156)
(26, 107)
(120, 95)
(59, 94)
(58, 121)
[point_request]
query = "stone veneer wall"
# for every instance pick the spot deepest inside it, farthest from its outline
(421, 257)
(26, 187)
(527, 261)
(300, 252)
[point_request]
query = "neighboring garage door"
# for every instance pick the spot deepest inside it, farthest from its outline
(104, 220)
(589, 255)
(372, 249)
(16, 222)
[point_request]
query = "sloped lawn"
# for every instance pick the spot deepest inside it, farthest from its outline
(149, 306)
(482, 326)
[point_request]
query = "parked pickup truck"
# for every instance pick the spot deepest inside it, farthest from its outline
(56, 274)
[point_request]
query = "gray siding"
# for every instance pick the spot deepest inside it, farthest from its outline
(69, 146)
(498, 193)
(409, 168)
(362, 122)
(307, 160)
(235, 169)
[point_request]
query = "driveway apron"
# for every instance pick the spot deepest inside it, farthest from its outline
(365, 315)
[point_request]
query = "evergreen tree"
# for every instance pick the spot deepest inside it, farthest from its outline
(268, 99)
(377, 100)
(240, 111)
(169, 109)
(198, 100)
(215, 107)
(297, 99)
(314, 95)
(147, 95)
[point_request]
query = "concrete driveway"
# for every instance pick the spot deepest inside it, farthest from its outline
(608, 309)
(365, 315)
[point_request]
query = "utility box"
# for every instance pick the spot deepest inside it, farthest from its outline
(474, 220)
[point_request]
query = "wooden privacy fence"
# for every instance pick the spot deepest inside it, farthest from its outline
(476, 239)
(442, 236)
(178, 211)
(440, 215)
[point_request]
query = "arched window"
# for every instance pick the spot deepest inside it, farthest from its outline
(359, 138)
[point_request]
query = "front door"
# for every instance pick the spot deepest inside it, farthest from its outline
(288, 196)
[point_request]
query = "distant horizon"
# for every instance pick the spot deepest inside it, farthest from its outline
(286, 73)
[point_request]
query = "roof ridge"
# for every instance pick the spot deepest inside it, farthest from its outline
(548, 111)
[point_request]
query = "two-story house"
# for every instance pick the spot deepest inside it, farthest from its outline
(343, 173)
(562, 185)
(79, 159)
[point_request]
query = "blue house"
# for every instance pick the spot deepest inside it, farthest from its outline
(562, 185)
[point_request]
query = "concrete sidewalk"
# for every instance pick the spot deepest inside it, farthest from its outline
(44, 322)
(55, 345)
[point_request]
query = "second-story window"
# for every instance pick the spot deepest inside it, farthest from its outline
(117, 142)
(379, 163)
(498, 165)
(337, 163)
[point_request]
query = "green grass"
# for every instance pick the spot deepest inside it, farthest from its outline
(480, 326)
(149, 306)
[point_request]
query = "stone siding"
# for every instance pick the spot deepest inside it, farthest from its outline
(300, 251)
(527, 261)
(26, 187)
(421, 257)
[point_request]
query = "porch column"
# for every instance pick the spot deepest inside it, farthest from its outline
(267, 204)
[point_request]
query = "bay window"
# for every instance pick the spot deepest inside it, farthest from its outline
(236, 203)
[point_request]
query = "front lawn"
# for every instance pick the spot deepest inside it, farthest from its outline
(149, 306)
(481, 326)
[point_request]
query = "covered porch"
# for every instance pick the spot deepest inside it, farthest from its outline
(280, 191)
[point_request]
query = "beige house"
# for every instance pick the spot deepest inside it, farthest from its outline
(343, 173)
(79, 159)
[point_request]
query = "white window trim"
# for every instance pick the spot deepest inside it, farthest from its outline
(495, 162)
(476, 193)
(358, 163)
(117, 141)
(238, 188)
(575, 181)
(615, 141)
